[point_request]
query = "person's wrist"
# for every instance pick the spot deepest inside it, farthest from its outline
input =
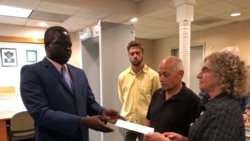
(83, 121)
(103, 112)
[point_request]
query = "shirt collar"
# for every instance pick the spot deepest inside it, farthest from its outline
(215, 100)
(177, 96)
(144, 69)
(57, 65)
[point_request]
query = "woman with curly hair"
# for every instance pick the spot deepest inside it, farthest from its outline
(224, 78)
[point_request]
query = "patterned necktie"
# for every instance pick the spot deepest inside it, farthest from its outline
(65, 76)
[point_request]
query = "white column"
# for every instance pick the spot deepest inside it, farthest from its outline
(184, 16)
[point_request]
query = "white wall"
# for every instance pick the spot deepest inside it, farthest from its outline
(10, 76)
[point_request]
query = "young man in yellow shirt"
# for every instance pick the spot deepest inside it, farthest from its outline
(136, 85)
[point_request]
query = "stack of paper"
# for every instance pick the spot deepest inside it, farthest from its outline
(134, 127)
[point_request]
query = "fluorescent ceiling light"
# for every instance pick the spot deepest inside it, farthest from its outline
(14, 11)
(42, 24)
(133, 20)
(235, 14)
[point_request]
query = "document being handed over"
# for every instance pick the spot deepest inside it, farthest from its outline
(134, 127)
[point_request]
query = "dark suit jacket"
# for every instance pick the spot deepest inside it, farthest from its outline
(55, 108)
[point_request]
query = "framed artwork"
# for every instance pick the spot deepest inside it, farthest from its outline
(31, 56)
(8, 57)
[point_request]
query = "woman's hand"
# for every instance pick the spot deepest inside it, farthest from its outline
(156, 136)
(172, 136)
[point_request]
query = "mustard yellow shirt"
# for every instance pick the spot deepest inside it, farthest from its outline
(135, 93)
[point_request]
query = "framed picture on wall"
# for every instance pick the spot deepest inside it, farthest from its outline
(31, 56)
(8, 57)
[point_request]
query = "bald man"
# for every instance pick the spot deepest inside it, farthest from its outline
(174, 106)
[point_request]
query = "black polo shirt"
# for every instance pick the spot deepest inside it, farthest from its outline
(175, 114)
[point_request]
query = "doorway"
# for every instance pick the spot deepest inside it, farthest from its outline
(196, 58)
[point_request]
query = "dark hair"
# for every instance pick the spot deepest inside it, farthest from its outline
(135, 44)
(49, 34)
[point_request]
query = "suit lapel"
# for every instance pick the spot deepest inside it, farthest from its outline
(51, 68)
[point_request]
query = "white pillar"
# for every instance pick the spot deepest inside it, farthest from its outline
(184, 16)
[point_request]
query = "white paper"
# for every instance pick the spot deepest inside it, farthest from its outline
(134, 127)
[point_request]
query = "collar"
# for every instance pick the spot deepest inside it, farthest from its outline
(57, 65)
(144, 69)
(212, 102)
(177, 96)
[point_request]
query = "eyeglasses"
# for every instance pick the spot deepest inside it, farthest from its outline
(206, 70)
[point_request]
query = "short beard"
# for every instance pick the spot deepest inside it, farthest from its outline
(136, 64)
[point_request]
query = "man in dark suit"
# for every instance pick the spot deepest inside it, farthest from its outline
(61, 111)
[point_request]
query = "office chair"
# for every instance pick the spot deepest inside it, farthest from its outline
(21, 127)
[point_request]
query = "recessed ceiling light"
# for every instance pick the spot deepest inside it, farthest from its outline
(235, 14)
(133, 20)
(43, 24)
(14, 11)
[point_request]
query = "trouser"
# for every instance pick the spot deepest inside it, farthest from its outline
(129, 135)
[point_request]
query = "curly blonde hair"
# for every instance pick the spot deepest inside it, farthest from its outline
(231, 72)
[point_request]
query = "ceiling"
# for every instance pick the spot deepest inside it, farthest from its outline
(156, 18)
